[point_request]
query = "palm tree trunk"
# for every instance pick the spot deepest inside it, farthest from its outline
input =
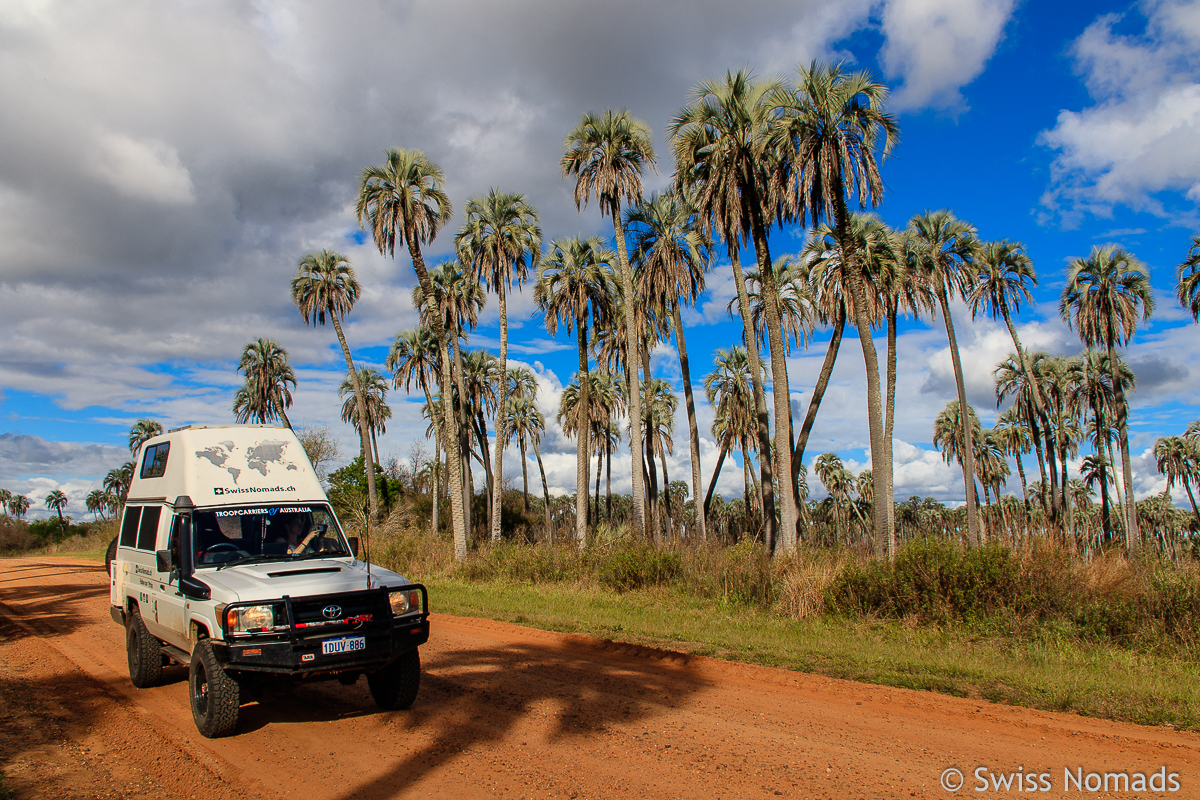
(1131, 528)
(1187, 485)
(467, 475)
(693, 430)
(669, 514)
(524, 473)
(635, 400)
(375, 445)
(716, 474)
(607, 481)
(287, 423)
(363, 429)
(545, 491)
(1024, 485)
(889, 421)
(437, 468)
(655, 521)
(968, 449)
(599, 456)
(885, 537)
(784, 539)
(814, 403)
(485, 458)
(583, 428)
(498, 470)
(453, 461)
(760, 399)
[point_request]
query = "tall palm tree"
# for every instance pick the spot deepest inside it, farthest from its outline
(725, 165)
(142, 431)
(1091, 388)
(673, 256)
(1013, 437)
(457, 300)
(481, 371)
(1188, 280)
(402, 202)
(1179, 461)
(500, 241)
(5, 497)
(1104, 296)
(57, 501)
(573, 284)
(19, 505)
(374, 389)
(325, 285)
(97, 503)
(951, 437)
(607, 153)
(729, 392)
(1013, 381)
(833, 124)
(265, 396)
(943, 250)
(413, 358)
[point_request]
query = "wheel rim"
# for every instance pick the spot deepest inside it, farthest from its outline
(200, 690)
(135, 650)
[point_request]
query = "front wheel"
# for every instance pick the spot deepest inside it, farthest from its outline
(142, 650)
(395, 686)
(215, 697)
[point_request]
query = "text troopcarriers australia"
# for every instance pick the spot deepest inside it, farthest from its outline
(252, 489)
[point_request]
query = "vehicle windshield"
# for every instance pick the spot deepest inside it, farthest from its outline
(282, 532)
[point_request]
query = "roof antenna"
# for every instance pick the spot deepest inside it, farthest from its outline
(367, 539)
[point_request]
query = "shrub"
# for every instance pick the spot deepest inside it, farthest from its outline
(639, 567)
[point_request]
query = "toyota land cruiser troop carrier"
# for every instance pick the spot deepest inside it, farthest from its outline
(231, 562)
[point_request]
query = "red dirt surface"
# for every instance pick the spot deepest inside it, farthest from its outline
(506, 711)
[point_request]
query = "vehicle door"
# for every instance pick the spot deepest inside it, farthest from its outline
(172, 604)
(147, 583)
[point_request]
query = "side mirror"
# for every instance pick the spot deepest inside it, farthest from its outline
(165, 560)
(353, 545)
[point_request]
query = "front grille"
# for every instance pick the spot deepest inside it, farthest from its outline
(358, 611)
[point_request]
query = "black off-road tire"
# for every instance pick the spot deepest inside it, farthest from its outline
(110, 555)
(143, 652)
(215, 697)
(395, 686)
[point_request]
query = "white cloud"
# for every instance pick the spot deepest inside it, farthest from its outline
(939, 46)
(145, 170)
(1142, 136)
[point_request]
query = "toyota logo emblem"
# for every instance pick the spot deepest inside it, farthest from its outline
(331, 612)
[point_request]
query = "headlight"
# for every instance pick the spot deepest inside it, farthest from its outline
(250, 619)
(404, 602)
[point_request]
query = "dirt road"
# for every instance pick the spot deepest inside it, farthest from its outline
(509, 712)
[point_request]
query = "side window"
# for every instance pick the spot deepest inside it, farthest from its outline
(154, 463)
(129, 527)
(148, 530)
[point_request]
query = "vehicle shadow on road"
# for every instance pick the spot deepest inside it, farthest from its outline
(55, 610)
(481, 696)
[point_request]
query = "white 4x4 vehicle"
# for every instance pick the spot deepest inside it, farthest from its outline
(230, 561)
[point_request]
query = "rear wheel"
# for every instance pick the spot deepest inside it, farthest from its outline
(215, 697)
(395, 686)
(142, 650)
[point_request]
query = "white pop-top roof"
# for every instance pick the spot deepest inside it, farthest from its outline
(227, 465)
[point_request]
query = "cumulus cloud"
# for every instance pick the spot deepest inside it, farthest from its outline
(1140, 137)
(939, 46)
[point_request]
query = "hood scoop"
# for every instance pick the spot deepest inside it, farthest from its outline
(312, 571)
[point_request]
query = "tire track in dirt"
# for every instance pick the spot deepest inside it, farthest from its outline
(506, 711)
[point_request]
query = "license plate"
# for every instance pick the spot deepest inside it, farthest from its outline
(347, 644)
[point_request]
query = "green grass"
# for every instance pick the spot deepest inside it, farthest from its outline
(1044, 671)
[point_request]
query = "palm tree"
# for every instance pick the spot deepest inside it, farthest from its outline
(5, 498)
(658, 415)
(374, 391)
(729, 392)
(950, 434)
(97, 502)
(833, 125)
(325, 285)
(574, 283)
(1013, 437)
(402, 202)
(481, 372)
(522, 420)
(1104, 295)
(142, 431)
(1188, 277)
(608, 153)
(943, 250)
(268, 374)
(57, 501)
(1013, 381)
(1179, 461)
(725, 165)
(19, 505)
(1091, 388)
(413, 358)
(499, 233)
(673, 256)
(457, 300)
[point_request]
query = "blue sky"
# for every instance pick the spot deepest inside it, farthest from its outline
(155, 203)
